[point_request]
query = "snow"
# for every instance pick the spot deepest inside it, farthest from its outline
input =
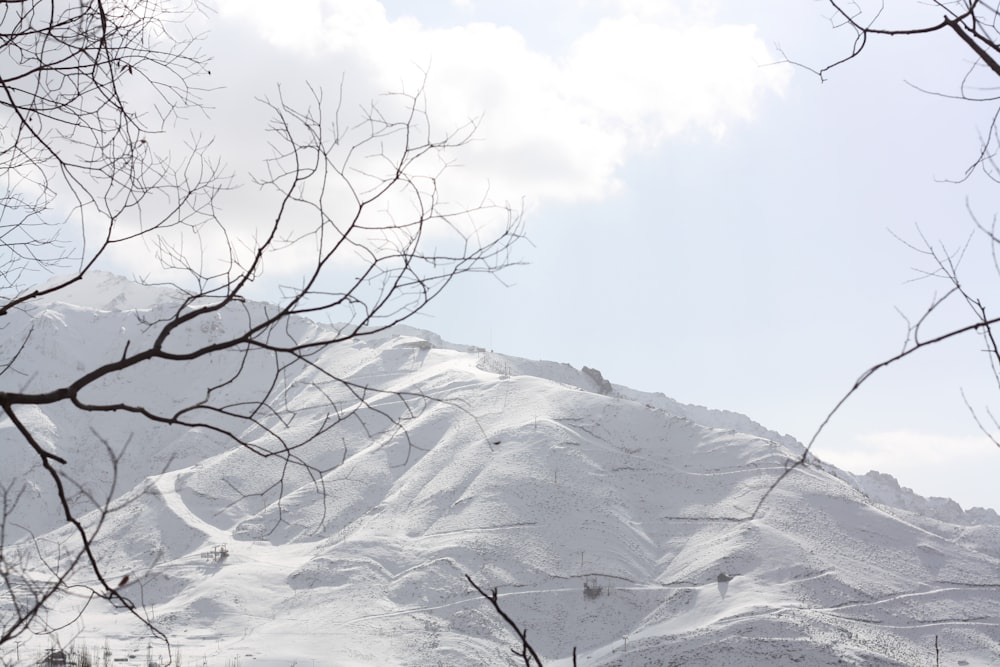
(537, 484)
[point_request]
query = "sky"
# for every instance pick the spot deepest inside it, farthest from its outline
(702, 219)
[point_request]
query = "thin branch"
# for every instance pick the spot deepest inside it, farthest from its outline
(527, 652)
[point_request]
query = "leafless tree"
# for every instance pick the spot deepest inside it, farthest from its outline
(354, 202)
(975, 24)
(86, 86)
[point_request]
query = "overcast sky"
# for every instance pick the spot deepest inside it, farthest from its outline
(702, 222)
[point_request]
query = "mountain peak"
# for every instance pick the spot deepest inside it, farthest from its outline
(884, 488)
(596, 511)
(101, 290)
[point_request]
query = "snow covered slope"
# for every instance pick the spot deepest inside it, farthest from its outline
(604, 518)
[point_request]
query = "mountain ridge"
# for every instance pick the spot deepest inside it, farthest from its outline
(597, 516)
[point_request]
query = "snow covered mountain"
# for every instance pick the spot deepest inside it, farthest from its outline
(609, 519)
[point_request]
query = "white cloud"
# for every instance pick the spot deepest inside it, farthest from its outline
(556, 126)
(656, 9)
(890, 450)
(656, 81)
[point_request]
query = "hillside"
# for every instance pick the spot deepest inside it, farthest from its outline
(604, 516)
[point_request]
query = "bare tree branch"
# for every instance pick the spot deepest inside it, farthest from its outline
(359, 210)
(526, 652)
